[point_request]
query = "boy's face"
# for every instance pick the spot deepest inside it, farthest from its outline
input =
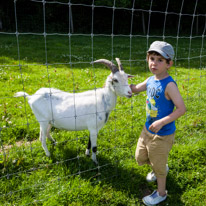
(158, 65)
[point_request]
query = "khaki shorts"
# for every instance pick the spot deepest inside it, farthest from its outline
(154, 150)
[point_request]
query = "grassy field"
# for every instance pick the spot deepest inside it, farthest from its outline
(28, 177)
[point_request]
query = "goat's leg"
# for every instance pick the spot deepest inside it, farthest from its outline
(48, 134)
(93, 139)
(88, 147)
(43, 134)
(40, 135)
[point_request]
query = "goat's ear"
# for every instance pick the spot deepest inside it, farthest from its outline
(130, 76)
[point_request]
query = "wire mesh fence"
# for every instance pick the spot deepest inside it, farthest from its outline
(48, 55)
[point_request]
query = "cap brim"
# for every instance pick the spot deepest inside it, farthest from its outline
(160, 52)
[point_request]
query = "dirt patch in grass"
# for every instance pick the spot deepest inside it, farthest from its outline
(6, 148)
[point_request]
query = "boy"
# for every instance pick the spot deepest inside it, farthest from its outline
(157, 136)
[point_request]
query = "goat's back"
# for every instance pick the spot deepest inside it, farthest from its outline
(70, 111)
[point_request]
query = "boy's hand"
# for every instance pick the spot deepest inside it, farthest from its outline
(156, 126)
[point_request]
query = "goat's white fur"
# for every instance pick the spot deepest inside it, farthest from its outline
(78, 111)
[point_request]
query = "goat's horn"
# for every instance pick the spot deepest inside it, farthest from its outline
(119, 64)
(109, 64)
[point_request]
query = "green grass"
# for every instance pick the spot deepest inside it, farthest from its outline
(28, 177)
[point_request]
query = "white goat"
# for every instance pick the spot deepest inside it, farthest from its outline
(79, 111)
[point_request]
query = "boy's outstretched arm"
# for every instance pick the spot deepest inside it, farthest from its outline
(139, 87)
(171, 93)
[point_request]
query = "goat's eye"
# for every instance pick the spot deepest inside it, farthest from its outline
(115, 80)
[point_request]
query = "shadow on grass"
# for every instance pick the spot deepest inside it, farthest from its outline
(119, 173)
(129, 180)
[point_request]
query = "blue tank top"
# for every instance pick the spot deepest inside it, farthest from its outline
(157, 106)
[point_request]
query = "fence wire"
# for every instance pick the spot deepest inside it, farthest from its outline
(31, 145)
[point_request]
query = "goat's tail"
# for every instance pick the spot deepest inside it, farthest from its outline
(21, 94)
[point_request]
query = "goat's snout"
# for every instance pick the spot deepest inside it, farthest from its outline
(129, 94)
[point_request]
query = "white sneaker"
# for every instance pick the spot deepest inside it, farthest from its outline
(154, 198)
(151, 176)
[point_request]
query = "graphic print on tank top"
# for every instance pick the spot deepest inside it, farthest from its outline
(151, 109)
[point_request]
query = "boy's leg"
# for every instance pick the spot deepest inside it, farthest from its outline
(141, 153)
(159, 149)
(156, 197)
(161, 183)
(151, 177)
(158, 155)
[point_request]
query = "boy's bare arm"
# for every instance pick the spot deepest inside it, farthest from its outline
(173, 94)
(139, 87)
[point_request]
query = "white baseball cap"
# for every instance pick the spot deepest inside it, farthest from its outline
(163, 48)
